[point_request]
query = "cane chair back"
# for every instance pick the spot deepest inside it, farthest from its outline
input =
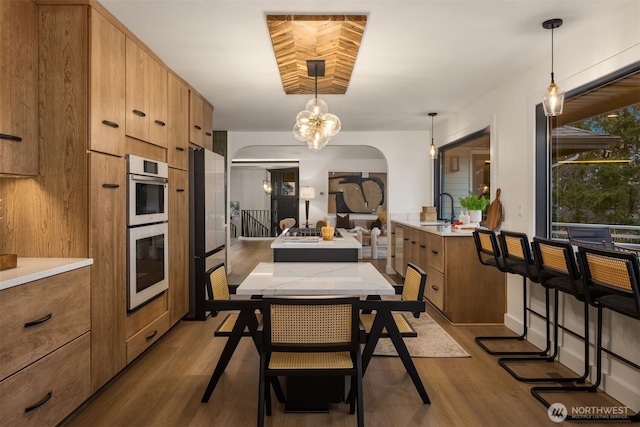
(316, 336)
(557, 266)
(611, 279)
(218, 291)
(516, 255)
(488, 249)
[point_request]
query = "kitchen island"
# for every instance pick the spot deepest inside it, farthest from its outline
(297, 248)
(458, 285)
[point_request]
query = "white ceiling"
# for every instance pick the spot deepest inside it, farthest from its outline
(416, 56)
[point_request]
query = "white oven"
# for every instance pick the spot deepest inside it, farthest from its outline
(147, 191)
(147, 265)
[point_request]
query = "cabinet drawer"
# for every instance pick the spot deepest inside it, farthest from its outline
(434, 290)
(436, 252)
(39, 317)
(52, 387)
(146, 336)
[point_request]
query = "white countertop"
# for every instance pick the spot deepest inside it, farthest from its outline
(30, 269)
(440, 230)
(347, 241)
(315, 278)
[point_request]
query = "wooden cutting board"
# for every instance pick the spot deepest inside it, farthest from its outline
(494, 212)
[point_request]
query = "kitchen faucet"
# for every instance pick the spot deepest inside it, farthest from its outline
(439, 207)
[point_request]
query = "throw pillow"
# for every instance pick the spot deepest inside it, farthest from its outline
(342, 221)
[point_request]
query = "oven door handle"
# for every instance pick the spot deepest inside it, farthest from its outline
(142, 178)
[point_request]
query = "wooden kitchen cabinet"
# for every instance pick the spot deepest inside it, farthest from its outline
(18, 88)
(178, 244)
(107, 246)
(146, 96)
(196, 117)
(107, 86)
(178, 126)
(45, 348)
(464, 290)
(158, 104)
(207, 124)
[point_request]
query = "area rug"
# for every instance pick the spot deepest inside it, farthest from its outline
(432, 341)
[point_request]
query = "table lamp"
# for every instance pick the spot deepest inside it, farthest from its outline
(307, 193)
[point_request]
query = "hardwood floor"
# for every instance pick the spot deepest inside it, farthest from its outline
(163, 387)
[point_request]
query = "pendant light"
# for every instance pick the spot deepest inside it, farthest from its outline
(266, 184)
(315, 125)
(554, 98)
(432, 149)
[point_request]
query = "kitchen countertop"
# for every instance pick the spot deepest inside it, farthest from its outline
(30, 269)
(440, 230)
(347, 241)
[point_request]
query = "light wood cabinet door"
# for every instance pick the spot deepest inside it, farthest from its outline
(18, 88)
(39, 317)
(137, 91)
(178, 126)
(107, 246)
(44, 393)
(158, 103)
(196, 130)
(399, 260)
(178, 244)
(207, 124)
(107, 86)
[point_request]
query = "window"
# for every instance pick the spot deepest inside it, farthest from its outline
(592, 162)
(464, 166)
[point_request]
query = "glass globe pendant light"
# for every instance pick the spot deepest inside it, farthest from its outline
(432, 149)
(554, 98)
(315, 125)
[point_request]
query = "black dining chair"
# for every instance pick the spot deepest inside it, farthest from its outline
(610, 280)
(242, 321)
(557, 272)
(489, 253)
(311, 337)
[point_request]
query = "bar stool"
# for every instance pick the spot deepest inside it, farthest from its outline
(610, 279)
(557, 271)
(489, 254)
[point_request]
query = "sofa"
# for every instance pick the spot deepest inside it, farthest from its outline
(362, 226)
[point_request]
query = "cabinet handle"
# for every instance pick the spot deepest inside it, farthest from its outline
(406, 239)
(160, 122)
(111, 124)
(413, 243)
(10, 137)
(37, 322)
(434, 252)
(153, 334)
(107, 185)
(197, 127)
(423, 246)
(208, 133)
(139, 113)
(435, 288)
(393, 232)
(179, 148)
(39, 404)
(180, 190)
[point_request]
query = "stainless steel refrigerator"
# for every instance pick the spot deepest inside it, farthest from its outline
(206, 223)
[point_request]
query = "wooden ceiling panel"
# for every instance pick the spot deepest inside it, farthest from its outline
(333, 38)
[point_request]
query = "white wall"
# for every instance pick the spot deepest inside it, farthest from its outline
(580, 57)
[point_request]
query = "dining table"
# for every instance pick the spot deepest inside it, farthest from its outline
(300, 279)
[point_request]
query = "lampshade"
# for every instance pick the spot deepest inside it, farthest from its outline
(553, 100)
(315, 125)
(307, 193)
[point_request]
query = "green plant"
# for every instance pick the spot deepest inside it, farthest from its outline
(473, 202)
